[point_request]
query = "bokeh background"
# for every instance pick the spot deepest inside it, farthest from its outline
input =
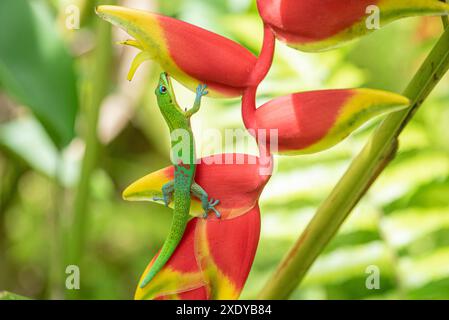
(74, 133)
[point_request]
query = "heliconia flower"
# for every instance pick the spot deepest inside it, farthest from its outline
(220, 175)
(310, 122)
(311, 25)
(212, 261)
(215, 256)
(190, 54)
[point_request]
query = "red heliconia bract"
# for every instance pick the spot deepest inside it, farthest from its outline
(212, 262)
(190, 54)
(312, 25)
(235, 179)
(215, 255)
(310, 122)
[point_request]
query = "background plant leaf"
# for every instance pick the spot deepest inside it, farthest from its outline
(35, 67)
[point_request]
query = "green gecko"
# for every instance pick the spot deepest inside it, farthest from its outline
(180, 189)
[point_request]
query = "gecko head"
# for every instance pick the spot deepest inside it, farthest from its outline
(164, 90)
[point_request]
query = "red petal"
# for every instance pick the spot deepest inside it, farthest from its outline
(180, 274)
(193, 55)
(237, 186)
(303, 118)
(226, 250)
(309, 20)
(310, 122)
(197, 294)
(316, 25)
(219, 252)
(237, 180)
(222, 64)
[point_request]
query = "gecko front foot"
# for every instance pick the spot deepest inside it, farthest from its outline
(207, 204)
(167, 193)
(211, 206)
(201, 91)
(164, 199)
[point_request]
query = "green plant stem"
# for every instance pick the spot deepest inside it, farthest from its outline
(56, 260)
(11, 175)
(13, 171)
(364, 170)
(96, 91)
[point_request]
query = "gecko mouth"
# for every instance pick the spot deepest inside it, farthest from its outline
(168, 80)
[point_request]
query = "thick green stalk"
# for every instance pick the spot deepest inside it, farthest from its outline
(96, 91)
(363, 171)
(56, 256)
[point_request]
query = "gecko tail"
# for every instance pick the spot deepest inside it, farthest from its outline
(178, 226)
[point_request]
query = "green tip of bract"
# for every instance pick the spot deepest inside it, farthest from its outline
(134, 22)
(131, 43)
(103, 10)
(138, 60)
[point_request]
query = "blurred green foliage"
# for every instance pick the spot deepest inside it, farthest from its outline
(401, 227)
(35, 67)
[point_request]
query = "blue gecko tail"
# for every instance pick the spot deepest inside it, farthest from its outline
(178, 226)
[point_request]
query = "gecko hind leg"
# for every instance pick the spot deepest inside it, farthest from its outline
(207, 204)
(167, 193)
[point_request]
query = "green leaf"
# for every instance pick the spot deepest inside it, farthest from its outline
(4, 295)
(35, 67)
(24, 136)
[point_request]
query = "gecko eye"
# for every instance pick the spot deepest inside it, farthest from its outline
(162, 89)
